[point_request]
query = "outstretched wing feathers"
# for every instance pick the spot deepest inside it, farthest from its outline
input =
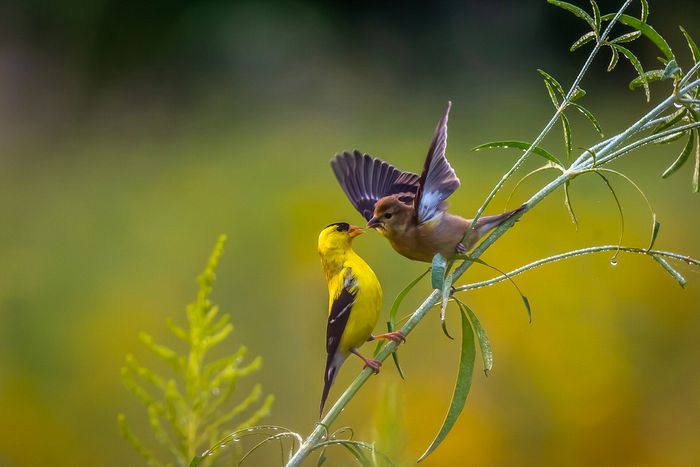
(438, 180)
(366, 179)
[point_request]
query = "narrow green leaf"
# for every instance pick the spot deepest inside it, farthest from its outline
(589, 115)
(438, 271)
(645, 11)
(654, 232)
(446, 292)
(484, 343)
(549, 78)
(596, 16)
(696, 171)
(648, 77)
(691, 45)
(526, 302)
(637, 66)
(670, 138)
(577, 94)
(614, 58)
(629, 37)
(670, 120)
(548, 165)
(585, 39)
(552, 96)
(567, 203)
(649, 32)
(682, 158)
(576, 11)
(462, 386)
(671, 69)
(671, 270)
(567, 134)
(521, 145)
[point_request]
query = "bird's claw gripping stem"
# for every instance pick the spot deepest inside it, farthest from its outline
(369, 363)
(460, 248)
(396, 336)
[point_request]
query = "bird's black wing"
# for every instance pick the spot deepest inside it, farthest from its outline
(438, 180)
(337, 320)
(366, 179)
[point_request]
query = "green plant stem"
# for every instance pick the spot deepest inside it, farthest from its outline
(600, 42)
(571, 254)
(584, 161)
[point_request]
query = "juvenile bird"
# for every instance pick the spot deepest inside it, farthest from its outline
(354, 301)
(410, 210)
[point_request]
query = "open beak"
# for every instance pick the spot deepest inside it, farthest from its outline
(354, 231)
(374, 223)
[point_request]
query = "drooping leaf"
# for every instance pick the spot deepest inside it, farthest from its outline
(671, 120)
(671, 69)
(439, 268)
(552, 96)
(567, 203)
(550, 79)
(649, 32)
(484, 343)
(589, 115)
(566, 127)
(695, 52)
(637, 66)
(521, 145)
(462, 386)
(654, 232)
(671, 270)
(400, 297)
(671, 137)
(614, 58)
(526, 302)
(629, 37)
(548, 165)
(696, 171)
(446, 292)
(576, 11)
(648, 77)
(682, 158)
(585, 39)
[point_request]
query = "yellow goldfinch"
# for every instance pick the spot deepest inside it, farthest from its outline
(354, 300)
(410, 210)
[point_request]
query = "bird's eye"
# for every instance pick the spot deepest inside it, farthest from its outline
(387, 215)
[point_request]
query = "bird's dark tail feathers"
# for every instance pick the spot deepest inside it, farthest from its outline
(333, 363)
(486, 223)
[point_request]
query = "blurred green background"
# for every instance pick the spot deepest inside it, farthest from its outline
(133, 133)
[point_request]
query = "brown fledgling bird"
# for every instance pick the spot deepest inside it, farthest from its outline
(410, 210)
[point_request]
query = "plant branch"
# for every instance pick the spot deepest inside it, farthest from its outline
(574, 253)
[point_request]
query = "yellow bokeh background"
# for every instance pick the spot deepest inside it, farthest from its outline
(107, 221)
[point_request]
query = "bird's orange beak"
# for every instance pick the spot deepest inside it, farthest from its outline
(374, 222)
(354, 231)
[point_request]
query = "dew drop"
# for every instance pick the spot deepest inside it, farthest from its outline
(613, 262)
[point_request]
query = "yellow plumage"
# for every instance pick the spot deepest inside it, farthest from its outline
(354, 299)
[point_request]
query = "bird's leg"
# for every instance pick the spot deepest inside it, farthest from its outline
(460, 248)
(396, 336)
(373, 364)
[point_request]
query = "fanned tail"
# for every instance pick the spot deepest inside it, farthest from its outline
(486, 223)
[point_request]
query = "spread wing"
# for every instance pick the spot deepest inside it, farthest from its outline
(438, 180)
(366, 179)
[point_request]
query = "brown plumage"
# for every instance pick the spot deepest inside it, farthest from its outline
(410, 210)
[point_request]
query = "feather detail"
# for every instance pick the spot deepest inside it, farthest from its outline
(366, 179)
(438, 180)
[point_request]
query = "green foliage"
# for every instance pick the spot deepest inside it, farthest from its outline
(188, 411)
